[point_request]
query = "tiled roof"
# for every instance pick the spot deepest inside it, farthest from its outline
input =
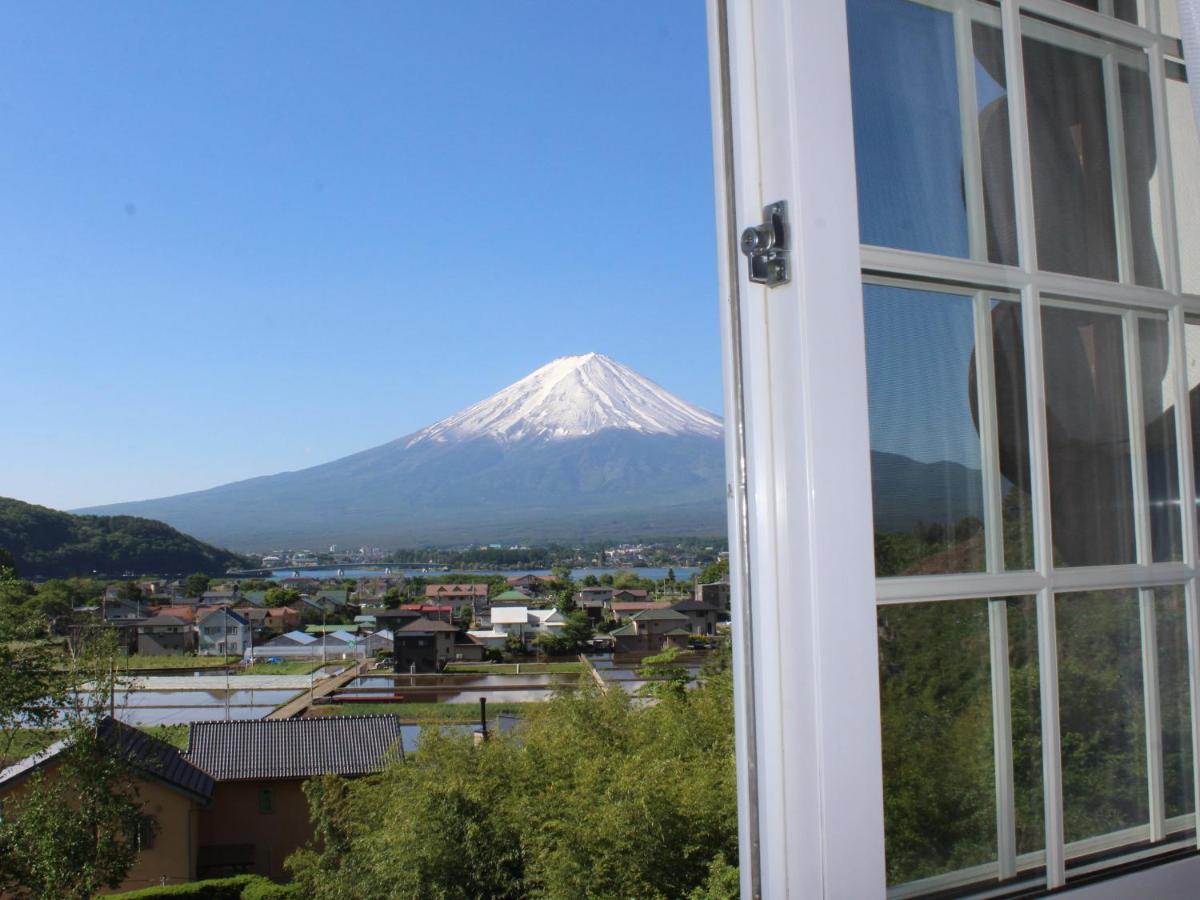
(292, 748)
(162, 619)
(518, 596)
(427, 625)
(695, 606)
(623, 631)
(658, 615)
(147, 755)
(634, 606)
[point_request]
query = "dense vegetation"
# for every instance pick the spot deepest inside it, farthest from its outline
(46, 543)
(595, 796)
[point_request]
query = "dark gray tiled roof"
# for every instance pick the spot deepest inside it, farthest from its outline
(293, 748)
(155, 758)
(147, 755)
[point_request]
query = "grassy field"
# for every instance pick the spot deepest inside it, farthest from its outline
(554, 668)
(288, 667)
(428, 712)
(139, 662)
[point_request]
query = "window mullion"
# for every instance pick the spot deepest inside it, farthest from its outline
(1163, 163)
(1137, 440)
(1115, 121)
(985, 392)
(964, 57)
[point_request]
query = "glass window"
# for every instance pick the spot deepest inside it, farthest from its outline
(1174, 701)
(1162, 452)
(938, 761)
(1087, 436)
(1092, 155)
(925, 450)
(931, 130)
(1101, 713)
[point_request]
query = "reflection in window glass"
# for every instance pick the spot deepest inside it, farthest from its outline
(1012, 432)
(1162, 457)
(916, 190)
(938, 764)
(1141, 165)
(925, 451)
(995, 150)
(1174, 701)
(1087, 436)
(1101, 713)
(1025, 689)
(1191, 331)
(1185, 164)
(1069, 155)
(1126, 10)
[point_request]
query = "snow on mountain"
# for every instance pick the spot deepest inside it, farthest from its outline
(570, 397)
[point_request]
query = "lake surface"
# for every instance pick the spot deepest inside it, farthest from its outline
(657, 573)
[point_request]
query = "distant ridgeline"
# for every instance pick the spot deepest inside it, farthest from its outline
(48, 543)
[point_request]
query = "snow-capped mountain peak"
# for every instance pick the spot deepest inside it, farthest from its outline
(574, 396)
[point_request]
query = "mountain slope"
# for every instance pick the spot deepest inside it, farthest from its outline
(582, 448)
(48, 543)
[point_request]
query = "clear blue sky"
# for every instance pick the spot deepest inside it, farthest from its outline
(243, 238)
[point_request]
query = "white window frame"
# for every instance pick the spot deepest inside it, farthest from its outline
(807, 695)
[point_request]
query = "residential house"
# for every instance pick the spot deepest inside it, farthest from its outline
(222, 632)
(164, 635)
(394, 619)
(458, 594)
(337, 598)
(442, 612)
(714, 594)
(171, 789)
(259, 814)
(630, 595)
(248, 599)
(373, 590)
(535, 584)
(266, 623)
(702, 617)
(524, 623)
(621, 611)
(423, 646)
(219, 597)
(652, 629)
(512, 597)
(594, 601)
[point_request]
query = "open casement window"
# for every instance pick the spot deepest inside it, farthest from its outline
(964, 413)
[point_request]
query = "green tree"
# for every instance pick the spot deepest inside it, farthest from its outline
(594, 796)
(197, 584)
(74, 833)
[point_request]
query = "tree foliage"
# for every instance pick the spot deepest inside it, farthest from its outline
(48, 543)
(595, 796)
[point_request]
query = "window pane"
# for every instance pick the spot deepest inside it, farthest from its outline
(1025, 688)
(1101, 713)
(1087, 435)
(1093, 156)
(925, 452)
(1126, 10)
(1191, 332)
(1174, 701)
(938, 765)
(1185, 165)
(1012, 430)
(1162, 458)
(928, 178)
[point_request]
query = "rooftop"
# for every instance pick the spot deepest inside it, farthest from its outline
(292, 748)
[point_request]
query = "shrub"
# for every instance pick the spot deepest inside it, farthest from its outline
(211, 889)
(262, 889)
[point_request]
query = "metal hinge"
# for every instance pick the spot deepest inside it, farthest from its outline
(766, 246)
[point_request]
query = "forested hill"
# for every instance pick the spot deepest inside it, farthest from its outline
(48, 543)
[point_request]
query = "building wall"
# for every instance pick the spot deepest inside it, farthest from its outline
(172, 854)
(237, 817)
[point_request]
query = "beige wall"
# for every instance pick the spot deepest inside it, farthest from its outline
(235, 818)
(173, 855)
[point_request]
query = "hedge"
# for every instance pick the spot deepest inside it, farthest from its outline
(239, 887)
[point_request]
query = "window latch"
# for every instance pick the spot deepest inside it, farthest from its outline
(766, 246)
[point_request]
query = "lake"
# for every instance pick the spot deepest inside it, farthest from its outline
(656, 573)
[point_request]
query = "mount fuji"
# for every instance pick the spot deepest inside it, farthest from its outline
(584, 448)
